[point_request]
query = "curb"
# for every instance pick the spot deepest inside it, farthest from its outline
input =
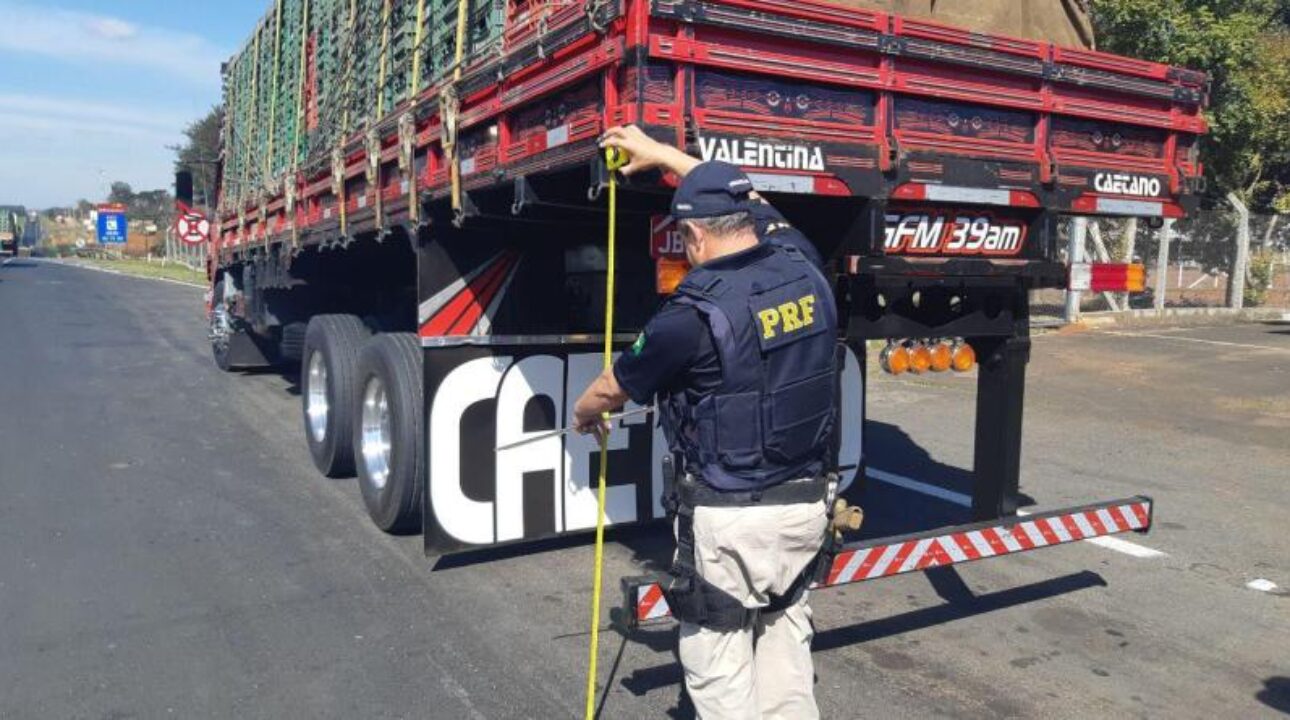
(1183, 317)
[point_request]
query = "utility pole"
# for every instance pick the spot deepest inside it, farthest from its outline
(1241, 260)
(1162, 264)
(1075, 254)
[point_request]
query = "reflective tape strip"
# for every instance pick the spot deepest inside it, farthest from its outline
(1136, 208)
(1085, 527)
(1059, 529)
(915, 555)
(952, 549)
(650, 604)
(982, 545)
(959, 194)
(776, 182)
(1109, 522)
(1036, 535)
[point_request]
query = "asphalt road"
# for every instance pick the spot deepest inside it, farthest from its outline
(168, 549)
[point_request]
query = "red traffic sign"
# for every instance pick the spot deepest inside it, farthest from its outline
(192, 227)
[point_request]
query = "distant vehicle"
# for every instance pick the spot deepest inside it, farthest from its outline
(13, 220)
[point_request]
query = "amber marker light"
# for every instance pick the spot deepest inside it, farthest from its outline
(894, 359)
(920, 358)
(668, 274)
(964, 357)
(942, 357)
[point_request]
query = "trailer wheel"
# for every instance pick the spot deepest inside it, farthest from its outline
(388, 442)
(328, 382)
(221, 329)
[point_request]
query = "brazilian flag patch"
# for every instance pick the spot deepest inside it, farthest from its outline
(639, 345)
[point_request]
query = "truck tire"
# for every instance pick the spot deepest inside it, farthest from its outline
(328, 385)
(388, 438)
(221, 330)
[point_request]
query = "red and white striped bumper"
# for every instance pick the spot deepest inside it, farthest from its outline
(643, 596)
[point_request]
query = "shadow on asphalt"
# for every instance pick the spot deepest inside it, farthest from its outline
(20, 264)
(289, 373)
(650, 540)
(1276, 693)
(960, 603)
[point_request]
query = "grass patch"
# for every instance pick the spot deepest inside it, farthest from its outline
(154, 269)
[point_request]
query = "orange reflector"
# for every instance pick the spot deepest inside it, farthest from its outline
(668, 274)
(1113, 277)
(894, 359)
(920, 359)
(964, 357)
(942, 357)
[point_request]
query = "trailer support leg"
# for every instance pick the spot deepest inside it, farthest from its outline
(1001, 387)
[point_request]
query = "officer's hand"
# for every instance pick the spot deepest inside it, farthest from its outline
(645, 152)
(593, 425)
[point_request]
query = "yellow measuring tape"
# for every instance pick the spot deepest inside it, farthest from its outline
(614, 159)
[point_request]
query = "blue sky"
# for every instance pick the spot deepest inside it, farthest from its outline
(92, 92)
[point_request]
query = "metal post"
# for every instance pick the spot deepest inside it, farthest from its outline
(1241, 259)
(1130, 248)
(1162, 264)
(1075, 254)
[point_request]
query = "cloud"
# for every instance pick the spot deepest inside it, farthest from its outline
(101, 39)
(59, 148)
(42, 111)
(112, 28)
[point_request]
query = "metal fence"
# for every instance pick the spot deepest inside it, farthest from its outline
(1195, 268)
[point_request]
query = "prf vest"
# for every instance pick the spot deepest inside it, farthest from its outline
(774, 326)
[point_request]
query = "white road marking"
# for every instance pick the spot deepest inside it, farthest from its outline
(1128, 548)
(920, 487)
(1203, 341)
(1107, 542)
(1262, 585)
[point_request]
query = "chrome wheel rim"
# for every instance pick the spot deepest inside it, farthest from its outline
(316, 407)
(220, 329)
(375, 441)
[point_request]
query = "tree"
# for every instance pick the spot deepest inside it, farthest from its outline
(1245, 47)
(200, 153)
(121, 194)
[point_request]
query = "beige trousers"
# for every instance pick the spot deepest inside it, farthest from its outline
(764, 670)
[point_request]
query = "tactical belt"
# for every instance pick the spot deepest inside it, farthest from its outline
(693, 599)
(693, 492)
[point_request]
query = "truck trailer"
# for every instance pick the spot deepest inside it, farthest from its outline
(13, 222)
(413, 207)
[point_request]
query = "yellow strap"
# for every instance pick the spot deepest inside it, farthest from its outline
(385, 46)
(300, 119)
(414, 87)
(454, 165)
(614, 159)
(248, 177)
(273, 93)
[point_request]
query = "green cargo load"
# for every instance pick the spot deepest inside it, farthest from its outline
(317, 71)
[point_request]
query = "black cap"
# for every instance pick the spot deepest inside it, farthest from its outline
(710, 190)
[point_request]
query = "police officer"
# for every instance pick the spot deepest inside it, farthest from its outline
(742, 360)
